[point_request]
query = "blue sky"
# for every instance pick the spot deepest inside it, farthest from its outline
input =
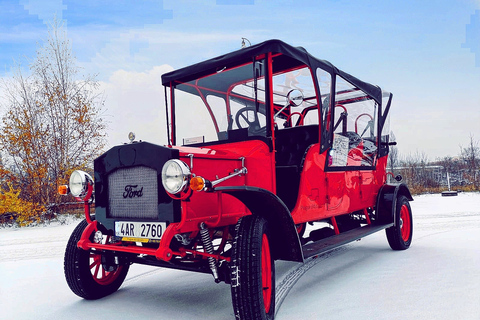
(426, 52)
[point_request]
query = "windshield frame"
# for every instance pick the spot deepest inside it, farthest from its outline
(264, 100)
(260, 99)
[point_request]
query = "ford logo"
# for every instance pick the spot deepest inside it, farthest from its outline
(132, 191)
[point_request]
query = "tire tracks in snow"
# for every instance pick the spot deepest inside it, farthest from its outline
(142, 275)
(283, 287)
(295, 273)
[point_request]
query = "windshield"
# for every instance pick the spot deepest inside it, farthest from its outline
(228, 102)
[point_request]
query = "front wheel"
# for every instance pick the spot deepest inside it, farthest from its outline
(252, 270)
(87, 275)
(400, 235)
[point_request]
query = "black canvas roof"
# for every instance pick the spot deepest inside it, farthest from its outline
(247, 54)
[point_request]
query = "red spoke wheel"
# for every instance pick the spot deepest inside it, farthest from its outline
(400, 235)
(252, 270)
(99, 274)
(86, 274)
(405, 223)
(266, 273)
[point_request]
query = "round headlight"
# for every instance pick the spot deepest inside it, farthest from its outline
(175, 174)
(79, 182)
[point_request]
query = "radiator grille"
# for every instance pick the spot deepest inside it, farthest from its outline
(133, 193)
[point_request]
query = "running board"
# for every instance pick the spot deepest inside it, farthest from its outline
(327, 244)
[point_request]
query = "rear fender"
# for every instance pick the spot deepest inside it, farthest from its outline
(285, 244)
(387, 201)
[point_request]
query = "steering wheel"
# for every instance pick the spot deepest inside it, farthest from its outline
(299, 122)
(243, 121)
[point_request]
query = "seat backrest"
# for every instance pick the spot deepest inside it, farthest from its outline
(291, 144)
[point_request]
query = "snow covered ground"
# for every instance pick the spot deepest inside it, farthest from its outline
(437, 278)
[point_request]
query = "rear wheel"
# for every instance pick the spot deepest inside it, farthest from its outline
(87, 275)
(252, 270)
(400, 235)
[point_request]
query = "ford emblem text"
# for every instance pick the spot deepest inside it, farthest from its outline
(132, 192)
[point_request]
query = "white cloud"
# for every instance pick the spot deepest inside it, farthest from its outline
(135, 102)
(103, 51)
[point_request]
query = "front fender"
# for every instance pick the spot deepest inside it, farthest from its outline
(286, 243)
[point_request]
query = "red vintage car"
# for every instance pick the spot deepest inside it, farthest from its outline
(262, 142)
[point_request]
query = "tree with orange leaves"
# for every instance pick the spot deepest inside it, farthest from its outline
(52, 122)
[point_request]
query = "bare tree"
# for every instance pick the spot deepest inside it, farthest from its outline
(417, 171)
(53, 119)
(393, 158)
(471, 156)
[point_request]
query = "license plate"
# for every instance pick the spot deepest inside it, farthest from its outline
(139, 231)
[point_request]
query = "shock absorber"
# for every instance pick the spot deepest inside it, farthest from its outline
(208, 247)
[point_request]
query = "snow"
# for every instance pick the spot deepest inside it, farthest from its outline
(437, 278)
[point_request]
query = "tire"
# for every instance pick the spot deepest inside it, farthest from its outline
(400, 235)
(252, 270)
(84, 272)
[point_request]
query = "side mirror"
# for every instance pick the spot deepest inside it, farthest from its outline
(295, 98)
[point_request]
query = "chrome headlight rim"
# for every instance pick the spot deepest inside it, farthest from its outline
(80, 184)
(178, 182)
